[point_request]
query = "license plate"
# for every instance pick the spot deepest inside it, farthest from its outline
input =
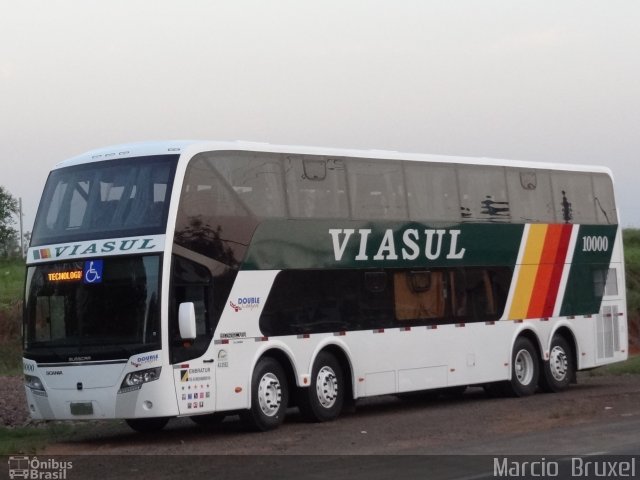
(84, 408)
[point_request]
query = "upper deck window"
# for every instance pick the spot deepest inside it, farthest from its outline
(377, 190)
(226, 194)
(108, 199)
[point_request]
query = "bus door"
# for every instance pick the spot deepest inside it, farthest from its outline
(193, 360)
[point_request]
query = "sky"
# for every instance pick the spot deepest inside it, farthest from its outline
(535, 80)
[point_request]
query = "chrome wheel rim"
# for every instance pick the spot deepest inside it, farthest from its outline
(327, 387)
(558, 363)
(269, 394)
(524, 367)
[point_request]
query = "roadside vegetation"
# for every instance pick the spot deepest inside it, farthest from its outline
(12, 273)
(630, 367)
(632, 268)
(31, 439)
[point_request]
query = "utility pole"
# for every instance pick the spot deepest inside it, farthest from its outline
(21, 236)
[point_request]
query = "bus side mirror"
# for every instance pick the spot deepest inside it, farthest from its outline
(187, 320)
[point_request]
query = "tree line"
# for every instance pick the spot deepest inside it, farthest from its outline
(9, 236)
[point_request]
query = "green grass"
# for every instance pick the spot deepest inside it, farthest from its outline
(630, 367)
(12, 273)
(11, 358)
(29, 440)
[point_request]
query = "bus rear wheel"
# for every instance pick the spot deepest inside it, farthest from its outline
(559, 371)
(324, 398)
(147, 425)
(269, 396)
(525, 369)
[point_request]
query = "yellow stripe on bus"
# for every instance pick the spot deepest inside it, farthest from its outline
(528, 271)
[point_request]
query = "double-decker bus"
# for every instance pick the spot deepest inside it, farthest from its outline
(208, 279)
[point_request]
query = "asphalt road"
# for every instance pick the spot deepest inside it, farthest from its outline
(384, 437)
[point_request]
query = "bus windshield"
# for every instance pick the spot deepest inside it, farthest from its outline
(106, 308)
(109, 199)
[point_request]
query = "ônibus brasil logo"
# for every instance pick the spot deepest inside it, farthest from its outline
(27, 467)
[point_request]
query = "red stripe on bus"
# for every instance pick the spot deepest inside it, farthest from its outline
(558, 267)
(542, 285)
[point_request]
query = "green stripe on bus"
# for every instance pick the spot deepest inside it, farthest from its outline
(591, 258)
(303, 244)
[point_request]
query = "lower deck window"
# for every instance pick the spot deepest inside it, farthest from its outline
(316, 301)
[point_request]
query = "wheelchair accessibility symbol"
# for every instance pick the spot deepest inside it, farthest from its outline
(92, 272)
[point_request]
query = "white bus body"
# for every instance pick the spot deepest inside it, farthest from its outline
(200, 279)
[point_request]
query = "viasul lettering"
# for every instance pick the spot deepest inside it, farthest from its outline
(101, 247)
(410, 244)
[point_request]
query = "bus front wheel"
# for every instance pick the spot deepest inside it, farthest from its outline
(269, 396)
(324, 398)
(525, 369)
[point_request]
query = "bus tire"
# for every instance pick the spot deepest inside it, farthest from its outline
(324, 399)
(147, 425)
(559, 371)
(525, 369)
(269, 396)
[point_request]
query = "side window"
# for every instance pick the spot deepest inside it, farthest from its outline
(212, 219)
(257, 180)
(206, 194)
(451, 295)
(611, 285)
(483, 193)
(420, 294)
(317, 301)
(604, 199)
(483, 299)
(376, 190)
(530, 195)
(316, 187)
(573, 197)
(432, 192)
(191, 282)
(605, 282)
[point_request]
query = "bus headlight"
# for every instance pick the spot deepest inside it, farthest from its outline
(35, 384)
(135, 380)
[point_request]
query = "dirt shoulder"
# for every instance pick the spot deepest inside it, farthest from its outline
(381, 425)
(13, 403)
